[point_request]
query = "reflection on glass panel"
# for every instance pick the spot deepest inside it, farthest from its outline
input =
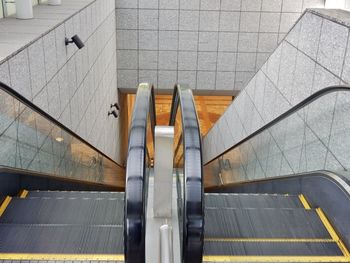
(150, 143)
(178, 165)
(30, 141)
(9, 153)
(1, 10)
(180, 201)
(149, 157)
(9, 8)
(316, 137)
(178, 154)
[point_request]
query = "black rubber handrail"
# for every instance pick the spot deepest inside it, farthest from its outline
(289, 112)
(136, 177)
(35, 108)
(193, 208)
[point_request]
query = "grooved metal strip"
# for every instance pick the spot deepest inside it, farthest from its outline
(64, 211)
(263, 223)
(252, 201)
(76, 194)
(272, 248)
(276, 259)
(61, 239)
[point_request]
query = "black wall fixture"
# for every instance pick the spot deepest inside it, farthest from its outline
(76, 40)
(114, 112)
(116, 105)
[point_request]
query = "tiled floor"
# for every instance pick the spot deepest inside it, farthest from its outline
(16, 34)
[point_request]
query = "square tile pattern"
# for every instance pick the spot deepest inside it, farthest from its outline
(76, 87)
(313, 56)
(195, 35)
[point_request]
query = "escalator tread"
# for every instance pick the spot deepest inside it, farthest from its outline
(252, 201)
(272, 248)
(80, 211)
(61, 239)
(76, 194)
(263, 223)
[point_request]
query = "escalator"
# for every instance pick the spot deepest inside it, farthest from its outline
(253, 215)
(61, 199)
(70, 202)
(269, 227)
(58, 225)
(257, 215)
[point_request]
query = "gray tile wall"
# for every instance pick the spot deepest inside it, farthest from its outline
(74, 86)
(208, 44)
(314, 55)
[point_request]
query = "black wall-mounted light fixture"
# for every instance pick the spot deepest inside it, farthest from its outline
(116, 105)
(114, 112)
(76, 40)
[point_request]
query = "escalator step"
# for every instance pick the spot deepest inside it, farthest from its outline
(252, 201)
(272, 248)
(61, 239)
(64, 211)
(263, 223)
(76, 194)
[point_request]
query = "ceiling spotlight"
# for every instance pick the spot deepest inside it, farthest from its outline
(59, 139)
(76, 40)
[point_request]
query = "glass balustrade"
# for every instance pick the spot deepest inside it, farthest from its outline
(32, 141)
(313, 136)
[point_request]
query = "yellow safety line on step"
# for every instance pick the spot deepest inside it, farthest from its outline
(23, 193)
(332, 232)
(277, 240)
(304, 202)
(275, 259)
(70, 257)
(4, 204)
